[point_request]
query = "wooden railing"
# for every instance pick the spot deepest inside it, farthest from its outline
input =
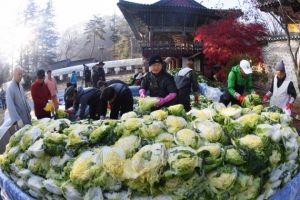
(166, 51)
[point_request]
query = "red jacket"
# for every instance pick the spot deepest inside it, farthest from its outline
(40, 94)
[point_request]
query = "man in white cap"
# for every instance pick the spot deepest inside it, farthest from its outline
(282, 89)
(238, 78)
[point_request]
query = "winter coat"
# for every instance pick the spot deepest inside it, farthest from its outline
(52, 85)
(17, 105)
(40, 94)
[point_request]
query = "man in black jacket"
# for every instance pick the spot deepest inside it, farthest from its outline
(120, 98)
(95, 76)
(101, 71)
(84, 97)
(102, 84)
(87, 76)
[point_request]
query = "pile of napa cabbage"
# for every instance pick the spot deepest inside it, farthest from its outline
(215, 153)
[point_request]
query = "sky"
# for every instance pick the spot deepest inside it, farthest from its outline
(68, 13)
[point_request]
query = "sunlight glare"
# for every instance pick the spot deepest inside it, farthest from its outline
(22, 35)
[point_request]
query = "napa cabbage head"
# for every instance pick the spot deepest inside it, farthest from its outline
(83, 130)
(187, 137)
(17, 136)
(150, 129)
(113, 159)
(41, 123)
(252, 191)
(177, 110)
(212, 155)
(242, 183)
(206, 113)
(183, 160)
(217, 106)
(129, 144)
(233, 156)
(130, 126)
(188, 188)
(39, 165)
(167, 139)
(93, 193)
(208, 130)
(233, 112)
(251, 141)
(30, 137)
(75, 143)
(129, 115)
(270, 117)
(99, 133)
(147, 103)
(54, 143)
(241, 126)
(36, 149)
(145, 168)
(57, 125)
(175, 124)
(251, 100)
(256, 109)
(82, 170)
(222, 179)
(158, 115)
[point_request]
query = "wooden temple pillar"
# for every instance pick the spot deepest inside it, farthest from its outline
(173, 64)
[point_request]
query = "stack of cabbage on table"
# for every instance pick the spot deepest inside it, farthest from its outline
(215, 152)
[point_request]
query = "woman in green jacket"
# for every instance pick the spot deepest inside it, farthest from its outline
(238, 78)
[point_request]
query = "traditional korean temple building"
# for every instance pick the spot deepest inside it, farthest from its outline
(167, 26)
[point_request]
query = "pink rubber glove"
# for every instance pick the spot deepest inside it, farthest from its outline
(142, 93)
(102, 117)
(168, 98)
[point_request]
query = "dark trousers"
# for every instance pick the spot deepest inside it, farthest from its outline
(44, 116)
(185, 101)
(227, 101)
(4, 106)
(95, 111)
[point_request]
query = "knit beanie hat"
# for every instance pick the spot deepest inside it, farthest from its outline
(280, 67)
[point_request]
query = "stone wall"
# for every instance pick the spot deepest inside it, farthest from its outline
(276, 51)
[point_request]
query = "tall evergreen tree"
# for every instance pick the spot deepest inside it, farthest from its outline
(94, 30)
(27, 21)
(47, 36)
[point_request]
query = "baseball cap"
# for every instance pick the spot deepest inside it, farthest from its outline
(155, 59)
(40, 74)
(69, 92)
(245, 65)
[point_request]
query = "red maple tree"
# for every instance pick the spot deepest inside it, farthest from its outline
(228, 38)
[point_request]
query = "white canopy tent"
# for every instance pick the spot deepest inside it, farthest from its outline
(108, 64)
